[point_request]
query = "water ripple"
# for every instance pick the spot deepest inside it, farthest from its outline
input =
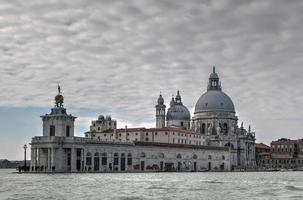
(150, 186)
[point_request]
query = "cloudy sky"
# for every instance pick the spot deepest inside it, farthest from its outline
(114, 57)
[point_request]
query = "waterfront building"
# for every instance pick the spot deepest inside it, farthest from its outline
(211, 140)
(284, 154)
(215, 118)
(262, 155)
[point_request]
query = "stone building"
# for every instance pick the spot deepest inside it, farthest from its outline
(284, 154)
(107, 149)
(215, 118)
(262, 155)
(210, 140)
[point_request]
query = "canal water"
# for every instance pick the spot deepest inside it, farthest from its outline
(132, 186)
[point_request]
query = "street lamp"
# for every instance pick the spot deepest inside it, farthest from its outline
(25, 147)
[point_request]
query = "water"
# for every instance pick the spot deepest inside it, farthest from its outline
(206, 186)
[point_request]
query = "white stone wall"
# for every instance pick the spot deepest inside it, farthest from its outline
(60, 122)
(149, 156)
(148, 135)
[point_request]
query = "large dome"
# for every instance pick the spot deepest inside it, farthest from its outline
(178, 112)
(214, 101)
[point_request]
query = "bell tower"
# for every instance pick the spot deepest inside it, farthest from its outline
(160, 113)
(58, 123)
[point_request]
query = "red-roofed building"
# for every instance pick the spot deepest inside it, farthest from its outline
(282, 154)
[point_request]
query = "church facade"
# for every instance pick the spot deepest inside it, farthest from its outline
(209, 141)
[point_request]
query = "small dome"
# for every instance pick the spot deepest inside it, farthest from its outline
(178, 112)
(214, 101)
(101, 117)
(214, 75)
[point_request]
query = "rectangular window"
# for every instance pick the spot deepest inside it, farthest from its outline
(67, 131)
(52, 130)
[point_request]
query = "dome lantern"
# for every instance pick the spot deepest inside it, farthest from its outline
(172, 102)
(178, 98)
(214, 82)
(160, 100)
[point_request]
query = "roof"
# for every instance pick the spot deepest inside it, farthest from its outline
(262, 146)
(142, 129)
(287, 141)
(178, 112)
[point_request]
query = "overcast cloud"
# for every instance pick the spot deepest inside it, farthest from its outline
(114, 57)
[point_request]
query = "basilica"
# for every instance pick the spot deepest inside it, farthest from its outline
(210, 140)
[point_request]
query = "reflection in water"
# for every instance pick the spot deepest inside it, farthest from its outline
(208, 186)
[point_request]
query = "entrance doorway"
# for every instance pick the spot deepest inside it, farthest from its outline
(142, 165)
(122, 162)
(169, 167)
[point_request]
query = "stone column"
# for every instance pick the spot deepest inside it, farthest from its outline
(49, 159)
(38, 158)
(82, 161)
(93, 162)
(73, 160)
(52, 158)
(34, 158)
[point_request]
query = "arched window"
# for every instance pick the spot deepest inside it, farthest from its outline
(96, 161)
(104, 158)
(203, 129)
(179, 156)
(142, 155)
(116, 159)
(209, 157)
(229, 145)
(195, 156)
(223, 157)
(161, 155)
(88, 158)
(225, 128)
(122, 161)
(129, 159)
(221, 129)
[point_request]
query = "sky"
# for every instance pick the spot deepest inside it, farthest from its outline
(114, 57)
